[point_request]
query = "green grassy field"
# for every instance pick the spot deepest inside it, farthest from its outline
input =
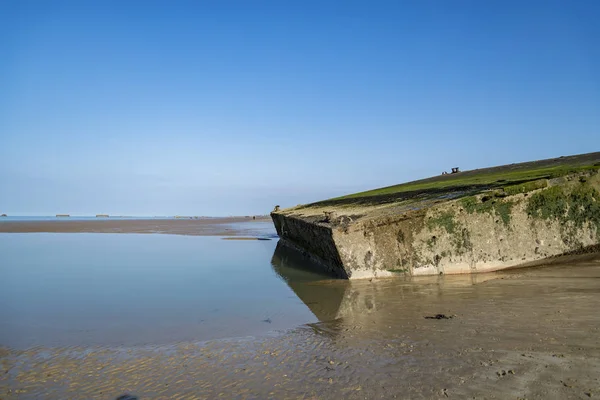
(513, 178)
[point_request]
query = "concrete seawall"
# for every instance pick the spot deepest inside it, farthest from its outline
(490, 230)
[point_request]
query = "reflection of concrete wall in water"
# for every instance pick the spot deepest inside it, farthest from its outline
(321, 293)
(359, 300)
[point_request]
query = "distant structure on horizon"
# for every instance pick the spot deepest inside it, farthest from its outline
(101, 215)
(3, 215)
(455, 170)
(62, 215)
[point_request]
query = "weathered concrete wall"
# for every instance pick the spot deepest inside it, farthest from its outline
(491, 231)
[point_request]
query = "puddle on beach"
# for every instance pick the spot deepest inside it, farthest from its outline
(112, 289)
(96, 315)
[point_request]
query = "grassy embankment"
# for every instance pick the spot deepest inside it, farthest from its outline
(511, 179)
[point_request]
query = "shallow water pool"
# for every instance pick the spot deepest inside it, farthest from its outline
(63, 289)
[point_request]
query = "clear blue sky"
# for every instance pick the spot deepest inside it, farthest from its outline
(230, 107)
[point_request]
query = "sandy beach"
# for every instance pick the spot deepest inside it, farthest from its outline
(528, 334)
(201, 227)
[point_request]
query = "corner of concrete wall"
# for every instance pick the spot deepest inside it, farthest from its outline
(314, 240)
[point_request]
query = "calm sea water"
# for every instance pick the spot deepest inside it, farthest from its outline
(113, 289)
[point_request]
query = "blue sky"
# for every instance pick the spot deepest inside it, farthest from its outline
(230, 107)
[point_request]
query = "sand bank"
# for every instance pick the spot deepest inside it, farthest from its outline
(230, 226)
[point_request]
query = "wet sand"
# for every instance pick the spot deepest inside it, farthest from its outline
(202, 227)
(523, 334)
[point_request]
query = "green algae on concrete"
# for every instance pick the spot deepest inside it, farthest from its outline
(496, 206)
(444, 220)
(572, 209)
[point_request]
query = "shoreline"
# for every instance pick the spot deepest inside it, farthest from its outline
(220, 226)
